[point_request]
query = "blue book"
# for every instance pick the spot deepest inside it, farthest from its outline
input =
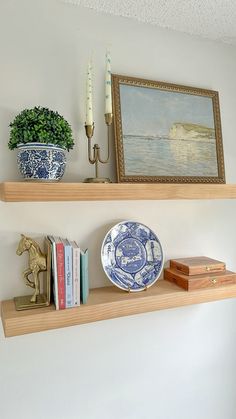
(68, 273)
(84, 280)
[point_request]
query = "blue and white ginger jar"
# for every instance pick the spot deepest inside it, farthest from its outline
(42, 162)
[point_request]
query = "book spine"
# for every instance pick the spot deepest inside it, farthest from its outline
(76, 276)
(84, 282)
(68, 276)
(60, 275)
(54, 272)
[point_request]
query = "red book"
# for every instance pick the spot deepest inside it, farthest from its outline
(60, 273)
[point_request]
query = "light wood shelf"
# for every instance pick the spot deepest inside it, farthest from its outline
(107, 303)
(62, 191)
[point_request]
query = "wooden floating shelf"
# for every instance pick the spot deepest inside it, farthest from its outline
(107, 303)
(62, 191)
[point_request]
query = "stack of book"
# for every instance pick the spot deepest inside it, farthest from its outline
(69, 273)
(198, 272)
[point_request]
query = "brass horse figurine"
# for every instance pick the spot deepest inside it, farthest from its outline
(37, 263)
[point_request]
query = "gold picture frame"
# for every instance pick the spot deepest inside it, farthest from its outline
(166, 132)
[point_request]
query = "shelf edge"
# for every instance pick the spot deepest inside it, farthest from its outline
(165, 296)
(62, 191)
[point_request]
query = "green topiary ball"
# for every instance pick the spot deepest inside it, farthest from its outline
(40, 125)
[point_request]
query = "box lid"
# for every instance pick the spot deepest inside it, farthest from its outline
(197, 265)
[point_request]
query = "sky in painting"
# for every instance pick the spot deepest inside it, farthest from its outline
(149, 111)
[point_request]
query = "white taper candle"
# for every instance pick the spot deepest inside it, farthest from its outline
(89, 100)
(108, 97)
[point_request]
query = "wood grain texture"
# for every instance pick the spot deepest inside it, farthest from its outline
(197, 265)
(107, 303)
(62, 191)
(194, 282)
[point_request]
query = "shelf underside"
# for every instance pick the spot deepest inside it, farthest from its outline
(107, 303)
(62, 191)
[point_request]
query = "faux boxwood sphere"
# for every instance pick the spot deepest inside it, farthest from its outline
(40, 125)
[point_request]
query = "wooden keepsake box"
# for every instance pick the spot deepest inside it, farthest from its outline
(197, 265)
(194, 282)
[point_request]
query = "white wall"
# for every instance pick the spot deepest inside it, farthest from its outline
(174, 364)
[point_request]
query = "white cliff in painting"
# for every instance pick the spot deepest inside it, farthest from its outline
(184, 131)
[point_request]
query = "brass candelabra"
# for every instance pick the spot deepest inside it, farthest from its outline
(95, 156)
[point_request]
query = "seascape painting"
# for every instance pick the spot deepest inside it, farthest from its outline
(169, 135)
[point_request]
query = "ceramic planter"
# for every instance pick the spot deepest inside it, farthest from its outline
(41, 162)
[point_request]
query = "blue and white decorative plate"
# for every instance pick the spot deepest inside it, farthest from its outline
(132, 256)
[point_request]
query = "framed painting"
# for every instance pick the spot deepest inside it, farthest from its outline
(166, 133)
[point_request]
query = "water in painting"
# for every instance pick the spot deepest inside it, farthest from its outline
(167, 133)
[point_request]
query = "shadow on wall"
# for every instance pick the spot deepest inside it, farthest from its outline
(97, 277)
(8, 166)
